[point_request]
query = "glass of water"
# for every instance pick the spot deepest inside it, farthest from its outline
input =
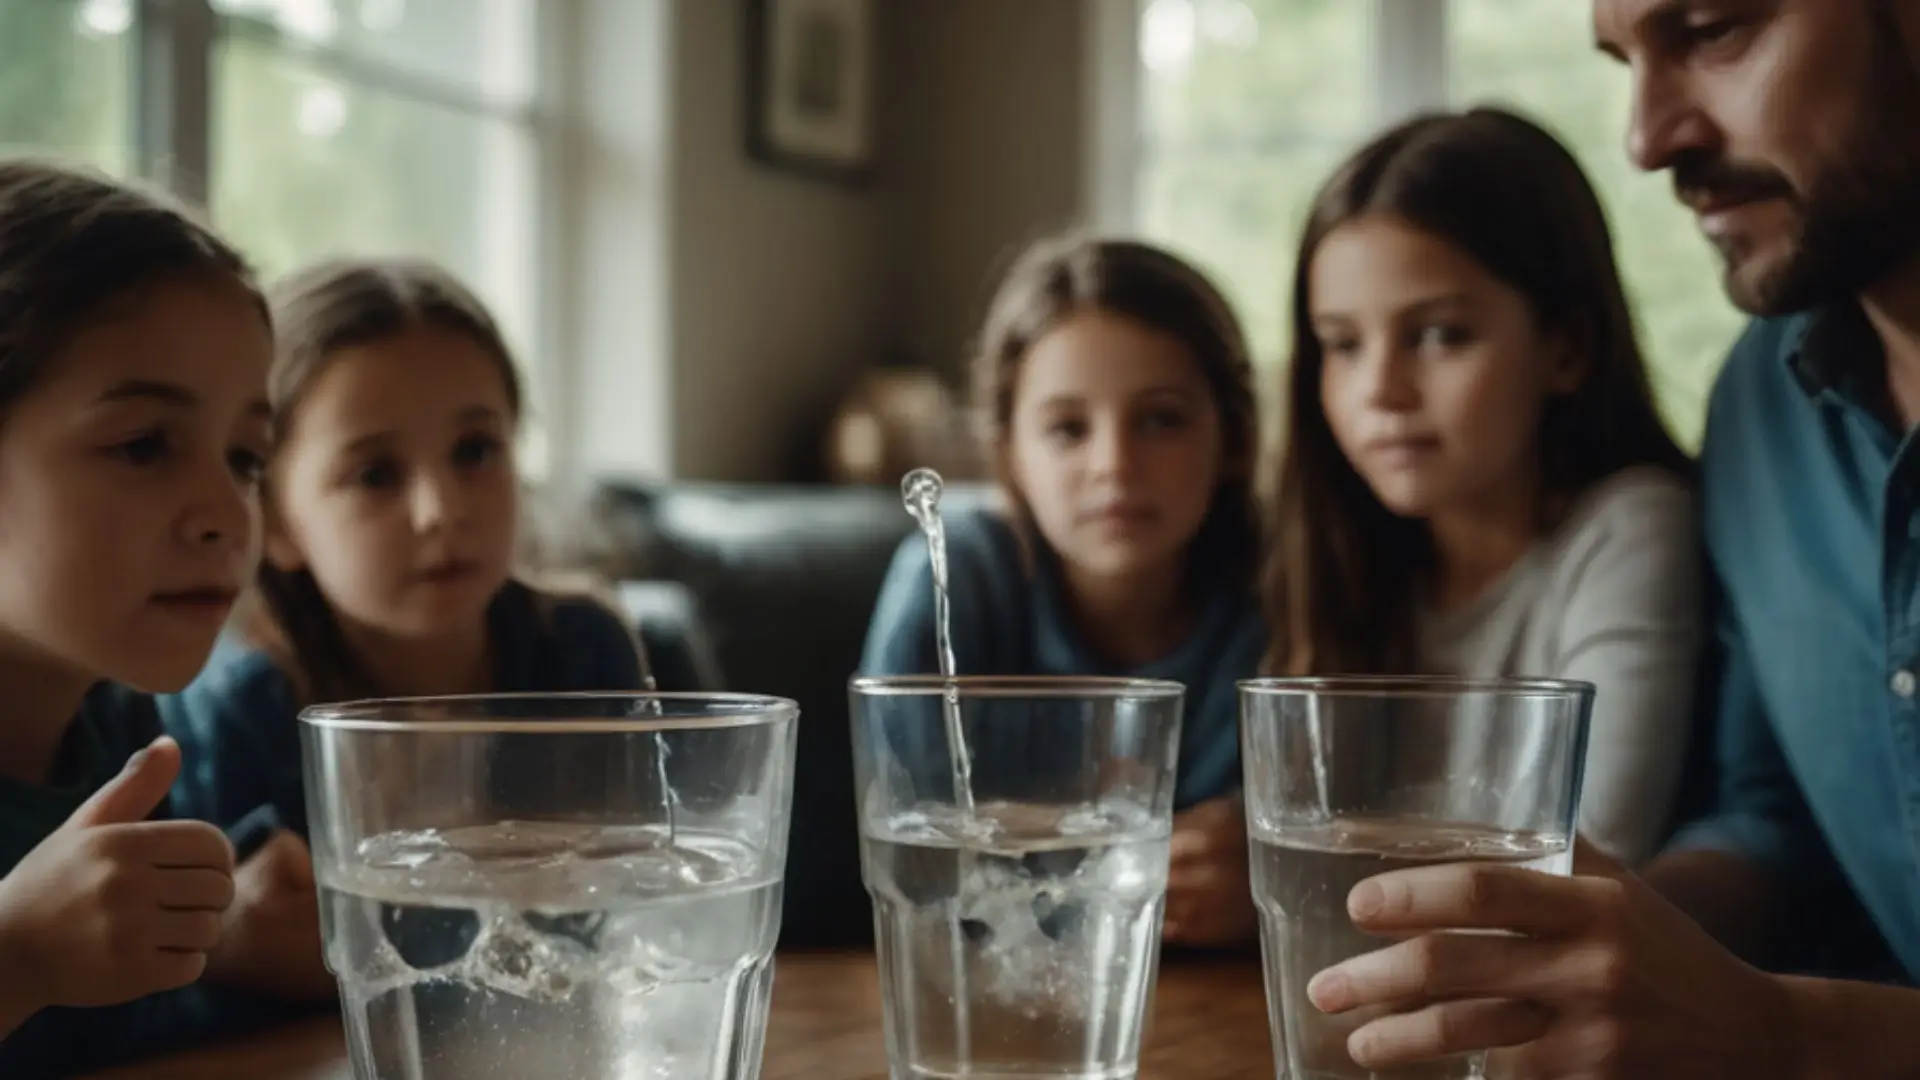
(577, 885)
(1347, 778)
(1017, 883)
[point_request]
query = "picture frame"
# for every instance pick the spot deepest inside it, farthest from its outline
(810, 87)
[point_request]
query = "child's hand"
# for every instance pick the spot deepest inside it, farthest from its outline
(271, 940)
(112, 907)
(1208, 897)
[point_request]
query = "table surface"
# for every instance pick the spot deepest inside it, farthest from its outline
(1209, 1022)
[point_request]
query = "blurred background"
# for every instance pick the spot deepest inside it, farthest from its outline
(748, 240)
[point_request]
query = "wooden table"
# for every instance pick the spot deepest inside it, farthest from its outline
(1209, 1023)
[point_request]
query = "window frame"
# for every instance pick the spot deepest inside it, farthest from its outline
(174, 45)
(1407, 72)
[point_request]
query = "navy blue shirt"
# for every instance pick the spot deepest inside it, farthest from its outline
(1811, 517)
(238, 727)
(111, 726)
(1007, 622)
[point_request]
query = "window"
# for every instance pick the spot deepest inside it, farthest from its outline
(310, 128)
(1244, 106)
(1239, 124)
(380, 127)
(1537, 56)
(64, 82)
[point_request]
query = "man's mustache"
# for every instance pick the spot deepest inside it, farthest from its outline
(1702, 179)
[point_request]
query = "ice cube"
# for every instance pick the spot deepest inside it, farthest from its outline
(512, 957)
(1000, 898)
(676, 942)
(1125, 871)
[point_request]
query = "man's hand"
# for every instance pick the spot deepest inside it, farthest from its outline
(111, 906)
(1594, 977)
(271, 940)
(1209, 901)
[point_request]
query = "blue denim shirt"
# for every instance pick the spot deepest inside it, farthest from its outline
(1811, 518)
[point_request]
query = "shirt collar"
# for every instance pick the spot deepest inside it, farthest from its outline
(1834, 350)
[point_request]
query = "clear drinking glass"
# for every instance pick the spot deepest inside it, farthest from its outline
(1347, 778)
(1017, 888)
(566, 885)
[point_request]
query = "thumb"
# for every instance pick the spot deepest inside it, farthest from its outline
(134, 794)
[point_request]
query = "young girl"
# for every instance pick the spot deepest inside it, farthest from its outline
(1477, 481)
(392, 522)
(1121, 424)
(133, 421)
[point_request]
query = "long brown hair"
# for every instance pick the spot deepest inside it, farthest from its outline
(1060, 277)
(1344, 571)
(72, 244)
(317, 313)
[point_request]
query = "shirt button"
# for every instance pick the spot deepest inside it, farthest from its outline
(1903, 683)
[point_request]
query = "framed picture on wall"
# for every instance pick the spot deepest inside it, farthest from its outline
(810, 86)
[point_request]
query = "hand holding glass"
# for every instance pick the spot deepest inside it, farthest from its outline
(1348, 778)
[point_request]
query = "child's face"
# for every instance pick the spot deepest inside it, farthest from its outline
(1435, 374)
(395, 485)
(1115, 444)
(129, 514)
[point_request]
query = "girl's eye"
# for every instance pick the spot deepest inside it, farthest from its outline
(1067, 431)
(143, 449)
(1443, 336)
(1340, 348)
(476, 449)
(247, 466)
(1163, 420)
(377, 475)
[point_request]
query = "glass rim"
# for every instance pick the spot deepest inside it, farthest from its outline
(1017, 686)
(1414, 686)
(466, 714)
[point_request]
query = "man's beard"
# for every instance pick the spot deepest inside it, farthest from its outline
(1859, 219)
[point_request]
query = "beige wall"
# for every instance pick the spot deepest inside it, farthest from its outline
(779, 279)
(715, 308)
(985, 148)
